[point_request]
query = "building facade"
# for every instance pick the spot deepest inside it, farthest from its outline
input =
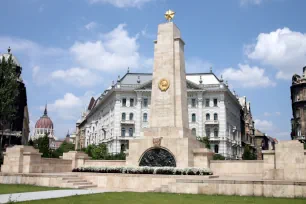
(122, 111)
(298, 101)
(247, 125)
(16, 132)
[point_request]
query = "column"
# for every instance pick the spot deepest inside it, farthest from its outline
(138, 114)
(200, 114)
(117, 125)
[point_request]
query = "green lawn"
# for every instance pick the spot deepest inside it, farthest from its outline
(14, 188)
(160, 198)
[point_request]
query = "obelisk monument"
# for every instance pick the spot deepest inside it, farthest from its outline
(168, 140)
(168, 111)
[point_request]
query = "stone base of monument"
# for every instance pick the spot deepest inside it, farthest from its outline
(168, 146)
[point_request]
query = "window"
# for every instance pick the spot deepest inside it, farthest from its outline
(207, 102)
(131, 116)
(207, 116)
(123, 117)
(145, 102)
(207, 132)
(193, 117)
(216, 132)
(194, 132)
(193, 102)
(123, 132)
(124, 102)
(131, 102)
(215, 116)
(145, 117)
(215, 102)
(131, 132)
(216, 148)
(122, 148)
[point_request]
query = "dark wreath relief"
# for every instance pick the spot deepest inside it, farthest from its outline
(157, 157)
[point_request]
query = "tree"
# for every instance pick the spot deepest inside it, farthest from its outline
(8, 93)
(247, 154)
(42, 144)
(64, 147)
(205, 140)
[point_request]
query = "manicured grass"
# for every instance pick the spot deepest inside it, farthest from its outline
(14, 188)
(162, 198)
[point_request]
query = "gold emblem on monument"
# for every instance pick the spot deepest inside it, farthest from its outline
(164, 84)
(169, 15)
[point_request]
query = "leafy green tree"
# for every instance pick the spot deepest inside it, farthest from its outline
(247, 154)
(64, 147)
(42, 144)
(205, 140)
(8, 93)
(100, 151)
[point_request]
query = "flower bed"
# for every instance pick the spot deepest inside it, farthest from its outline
(146, 170)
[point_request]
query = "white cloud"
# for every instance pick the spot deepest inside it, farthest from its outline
(122, 3)
(146, 34)
(263, 125)
(90, 26)
(70, 106)
(247, 76)
(117, 51)
(284, 49)
(196, 64)
(278, 113)
(29, 48)
(35, 71)
(247, 2)
(77, 77)
(267, 114)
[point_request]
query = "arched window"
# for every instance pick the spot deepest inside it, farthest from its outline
(216, 132)
(193, 117)
(123, 117)
(207, 116)
(145, 117)
(207, 132)
(216, 148)
(123, 132)
(131, 132)
(131, 116)
(215, 116)
(194, 132)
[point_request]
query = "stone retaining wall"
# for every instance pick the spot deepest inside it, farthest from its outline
(101, 163)
(52, 165)
(250, 168)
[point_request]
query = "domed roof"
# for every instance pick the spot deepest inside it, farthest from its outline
(44, 121)
(7, 55)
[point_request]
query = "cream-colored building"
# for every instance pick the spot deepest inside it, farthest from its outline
(122, 112)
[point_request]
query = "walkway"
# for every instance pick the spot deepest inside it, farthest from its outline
(18, 197)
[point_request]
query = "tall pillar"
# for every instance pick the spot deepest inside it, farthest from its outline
(200, 114)
(138, 114)
(117, 125)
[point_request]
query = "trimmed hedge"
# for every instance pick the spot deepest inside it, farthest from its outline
(146, 170)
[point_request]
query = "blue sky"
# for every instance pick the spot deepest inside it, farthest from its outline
(71, 50)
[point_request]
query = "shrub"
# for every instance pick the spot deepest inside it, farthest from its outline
(218, 157)
(146, 170)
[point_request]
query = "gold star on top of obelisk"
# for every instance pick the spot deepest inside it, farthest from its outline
(169, 15)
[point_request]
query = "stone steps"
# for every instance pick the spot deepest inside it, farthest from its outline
(76, 182)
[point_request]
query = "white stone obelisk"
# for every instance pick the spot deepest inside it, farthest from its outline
(169, 107)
